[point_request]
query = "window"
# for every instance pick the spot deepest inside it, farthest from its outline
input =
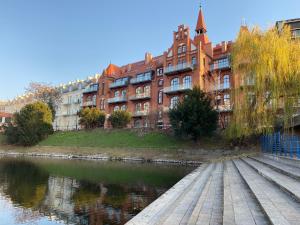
(94, 99)
(138, 90)
(117, 93)
(124, 93)
(103, 85)
(160, 82)
(147, 90)
(147, 106)
(226, 81)
(194, 60)
(183, 48)
(174, 102)
(179, 50)
(160, 71)
(102, 105)
(187, 81)
(123, 108)
(116, 108)
(226, 100)
(170, 65)
(138, 107)
(175, 82)
(137, 123)
(160, 97)
(89, 98)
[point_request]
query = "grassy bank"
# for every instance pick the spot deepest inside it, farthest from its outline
(114, 139)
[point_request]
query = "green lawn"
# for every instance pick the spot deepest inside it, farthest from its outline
(113, 139)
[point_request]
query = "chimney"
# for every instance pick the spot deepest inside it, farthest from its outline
(148, 58)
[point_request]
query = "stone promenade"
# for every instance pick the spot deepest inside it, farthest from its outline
(248, 191)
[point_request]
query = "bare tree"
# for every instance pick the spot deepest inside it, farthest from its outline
(45, 93)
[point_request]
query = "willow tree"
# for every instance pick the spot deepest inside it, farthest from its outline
(266, 68)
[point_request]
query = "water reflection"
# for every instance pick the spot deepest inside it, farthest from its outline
(79, 192)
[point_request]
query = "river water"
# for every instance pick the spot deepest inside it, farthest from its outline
(47, 191)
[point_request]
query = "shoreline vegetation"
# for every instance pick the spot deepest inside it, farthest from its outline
(128, 145)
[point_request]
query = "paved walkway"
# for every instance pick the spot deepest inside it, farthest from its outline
(248, 191)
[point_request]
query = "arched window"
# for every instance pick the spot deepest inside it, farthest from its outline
(147, 107)
(160, 82)
(226, 81)
(174, 102)
(194, 62)
(147, 90)
(179, 50)
(187, 81)
(116, 108)
(123, 108)
(183, 48)
(139, 90)
(117, 93)
(138, 107)
(160, 96)
(227, 100)
(175, 82)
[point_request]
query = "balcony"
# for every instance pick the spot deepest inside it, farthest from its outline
(140, 96)
(117, 100)
(220, 64)
(219, 87)
(91, 89)
(180, 68)
(140, 113)
(119, 83)
(178, 88)
(141, 79)
(89, 104)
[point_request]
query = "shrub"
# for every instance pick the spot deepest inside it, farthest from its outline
(31, 125)
(120, 119)
(194, 117)
(91, 118)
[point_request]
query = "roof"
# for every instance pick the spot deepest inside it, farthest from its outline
(201, 22)
(6, 115)
(112, 70)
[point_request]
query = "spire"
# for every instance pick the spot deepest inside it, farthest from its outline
(201, 26)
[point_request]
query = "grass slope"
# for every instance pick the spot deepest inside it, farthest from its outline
(113, 139)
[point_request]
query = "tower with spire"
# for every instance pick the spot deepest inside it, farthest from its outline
(201, 29)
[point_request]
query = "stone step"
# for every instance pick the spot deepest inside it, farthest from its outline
(181, 210)
(286, 183)
(278, 206)
(280, 167)
(160, 207)
(284, 160)
(209, 208)
(240, 206)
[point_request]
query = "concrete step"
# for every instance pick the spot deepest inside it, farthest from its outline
(280, 167)
(286, 183)
(209, 208)
(181, 210)
(278, 206)
(161, 206)
(240, 206)
(284, 160)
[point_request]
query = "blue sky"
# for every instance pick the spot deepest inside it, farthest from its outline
(57, 41)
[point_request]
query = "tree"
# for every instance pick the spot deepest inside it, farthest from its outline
(266, 66)
(45, 93)
(120, 119)
(194, 117)
(91, 118)
(31, 125)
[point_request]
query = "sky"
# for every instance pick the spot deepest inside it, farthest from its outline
(57, 41)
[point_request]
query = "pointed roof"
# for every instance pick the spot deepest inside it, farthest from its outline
(112, 70)
(201, 26)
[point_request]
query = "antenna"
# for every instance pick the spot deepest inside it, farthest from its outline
(244, 24)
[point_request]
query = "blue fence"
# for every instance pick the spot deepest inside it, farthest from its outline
(281, 144)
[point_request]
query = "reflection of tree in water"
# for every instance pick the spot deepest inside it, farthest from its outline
(25, 183)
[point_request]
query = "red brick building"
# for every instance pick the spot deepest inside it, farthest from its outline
(149, 88)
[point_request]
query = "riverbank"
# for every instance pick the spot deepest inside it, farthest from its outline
(128, 145)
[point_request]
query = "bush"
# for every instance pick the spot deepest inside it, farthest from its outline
(31, 125)
(91, 118)
(120, 119)
(194, 117)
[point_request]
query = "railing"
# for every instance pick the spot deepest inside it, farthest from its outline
(141, 79)
(89, 103)
(91, 89)
(179, 68)
(219, 87)
(141, 113)
(140, 96)
(220, 64)
(178, 88)
(118, 84)
(117, 99)
(281, 145)
(223, 108)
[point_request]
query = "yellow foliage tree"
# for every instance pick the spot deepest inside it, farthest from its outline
(266, 68)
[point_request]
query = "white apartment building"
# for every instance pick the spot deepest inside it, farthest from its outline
(66, 117)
